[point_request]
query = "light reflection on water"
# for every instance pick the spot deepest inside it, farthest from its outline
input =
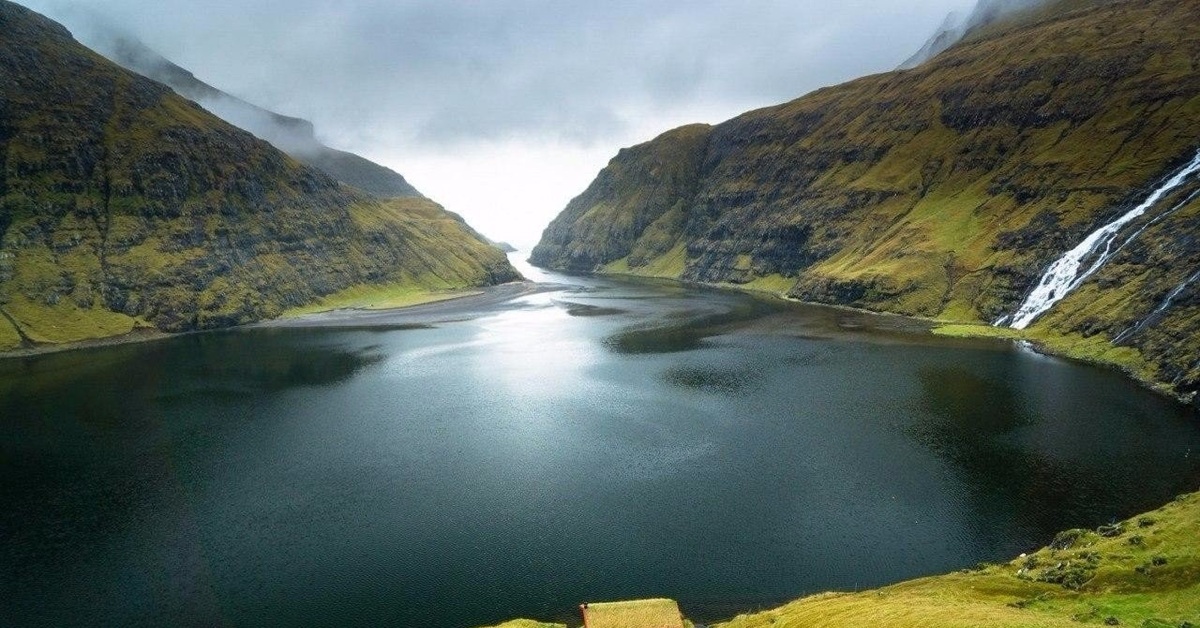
(600, 439)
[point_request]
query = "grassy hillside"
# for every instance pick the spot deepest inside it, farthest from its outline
(291, 135)
(941, 191)
(1144, 572)
(124, 206)
(1141, 572)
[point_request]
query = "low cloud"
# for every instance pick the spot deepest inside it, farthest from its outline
(412, 82)
(443, 72)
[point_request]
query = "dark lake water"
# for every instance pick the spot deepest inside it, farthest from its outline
(600, 440)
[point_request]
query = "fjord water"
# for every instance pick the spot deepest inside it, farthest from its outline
(600, 439)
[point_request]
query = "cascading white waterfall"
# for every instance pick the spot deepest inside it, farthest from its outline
(1065, 274)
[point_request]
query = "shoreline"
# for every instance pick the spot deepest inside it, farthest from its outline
(470, 302)
(137, 336)
(465, 299)
(460, 303)
(452, 306)
(962, 329)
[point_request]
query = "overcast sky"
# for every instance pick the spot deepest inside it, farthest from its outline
(503, 110)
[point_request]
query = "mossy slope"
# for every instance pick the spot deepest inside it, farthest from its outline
(123, 205)
(1141, 572)
(941, 191)
(291, 135)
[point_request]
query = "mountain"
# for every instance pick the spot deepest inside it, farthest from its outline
(948, 190)
(124, 206)
(294, 136)
(956, 27)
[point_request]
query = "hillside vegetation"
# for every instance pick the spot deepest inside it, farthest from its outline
(943, 191)
(124, 206)
(1143, 572)
(294, 136)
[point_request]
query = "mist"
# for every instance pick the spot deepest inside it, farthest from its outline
(503, 111)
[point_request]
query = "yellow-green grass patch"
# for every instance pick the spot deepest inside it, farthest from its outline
(773, 284)
(1096, 349)
(650, 613)
(669, 265)
(9, 338)
(377, 297)
(1144, 571)
(526, 623)
(65, 322)
(970, 330)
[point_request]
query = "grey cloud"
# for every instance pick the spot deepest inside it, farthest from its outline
(434, 72)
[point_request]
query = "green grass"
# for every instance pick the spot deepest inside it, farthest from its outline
(526, 623)
(1144, 571)
(669, 265)
(777, 285)
(1095, 349)
(650, 613)
(977, 330)
(65, 322)
(9, 338)
(1147, 574)
(374, 297)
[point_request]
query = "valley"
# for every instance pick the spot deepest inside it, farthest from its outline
(781, 370)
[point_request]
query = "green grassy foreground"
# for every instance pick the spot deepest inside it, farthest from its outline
(656, 613)
(526, 623)
(1144, 571)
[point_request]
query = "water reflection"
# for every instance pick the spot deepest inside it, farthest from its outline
(683, 330)
(462, 464)
(282, 359)
(583, 309)
(1021, 464)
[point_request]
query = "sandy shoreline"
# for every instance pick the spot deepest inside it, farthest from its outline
(471, 301)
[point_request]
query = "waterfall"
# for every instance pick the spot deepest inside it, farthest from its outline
(1065, 274)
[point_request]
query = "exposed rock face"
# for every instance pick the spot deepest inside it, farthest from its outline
(123, 205)
(291, 135)
(641, 195)
(940, 191)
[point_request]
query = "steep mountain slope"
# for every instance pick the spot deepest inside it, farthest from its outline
(123, 205)
(291, 135)
(946, 190)
(955, 27)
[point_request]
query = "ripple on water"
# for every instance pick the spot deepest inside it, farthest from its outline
(728, 382)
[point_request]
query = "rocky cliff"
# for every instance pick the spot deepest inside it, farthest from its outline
(291, 135)
(122, 205)
(946, 190)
